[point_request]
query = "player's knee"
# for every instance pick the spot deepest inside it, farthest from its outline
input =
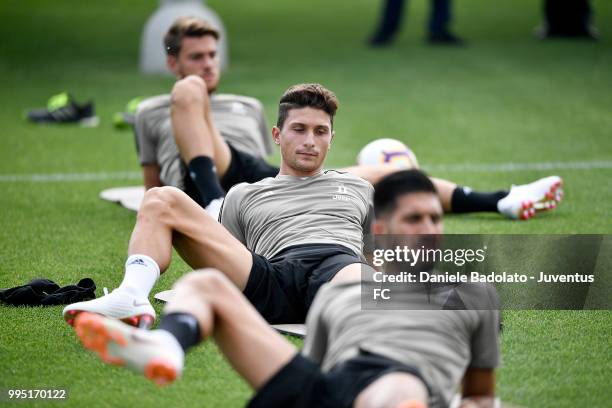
(159, 202)
(189, 91)
(391, 390)
(207, 280)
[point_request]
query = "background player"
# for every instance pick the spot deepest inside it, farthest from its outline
(204, 143)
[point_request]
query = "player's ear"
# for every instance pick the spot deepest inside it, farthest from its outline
(276, 135)
(171, 63)
(378, 227)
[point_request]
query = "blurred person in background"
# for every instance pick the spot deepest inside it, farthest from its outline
(567, 19)
(203, 142)
(438, 27)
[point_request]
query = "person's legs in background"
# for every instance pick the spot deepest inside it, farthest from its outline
(439, 21)
(390, 22)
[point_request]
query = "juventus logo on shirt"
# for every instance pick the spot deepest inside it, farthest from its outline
(341, 193)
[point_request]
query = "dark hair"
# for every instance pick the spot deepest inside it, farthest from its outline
(391, 187)
(307, 95)
(186, 27)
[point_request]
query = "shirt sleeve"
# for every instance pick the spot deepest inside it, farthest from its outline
(369, 217)
(485, 349)
(315, 344)
(146, 139)
(230, 213)
(264, 131)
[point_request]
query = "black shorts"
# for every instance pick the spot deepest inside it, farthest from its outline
(243, 168)
(283, 288)
(300, 383)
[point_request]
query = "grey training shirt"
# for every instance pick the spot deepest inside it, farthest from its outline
(441, 344)
(279, 212)
(239, 119)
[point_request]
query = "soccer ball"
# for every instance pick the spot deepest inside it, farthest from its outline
(389, 151)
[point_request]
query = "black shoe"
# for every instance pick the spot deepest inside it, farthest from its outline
(62, 108)
(380, 41)
(444, 38)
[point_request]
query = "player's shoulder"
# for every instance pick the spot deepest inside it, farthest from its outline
(233, 98)
(345, 177)
(236, 190)
(152, 104)
(240, 190)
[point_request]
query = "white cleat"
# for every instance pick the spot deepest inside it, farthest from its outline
(154, 353)
(119, 305)
(525, 201)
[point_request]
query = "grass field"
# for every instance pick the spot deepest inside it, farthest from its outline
(505, 98)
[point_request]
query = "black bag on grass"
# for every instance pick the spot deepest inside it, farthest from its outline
(45, 292)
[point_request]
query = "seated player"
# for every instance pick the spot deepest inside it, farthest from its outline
(351, 357)
(279, 239)
(190, 137)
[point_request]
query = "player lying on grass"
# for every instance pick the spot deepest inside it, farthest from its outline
(279, 239)
(351, 357)
(204, 143)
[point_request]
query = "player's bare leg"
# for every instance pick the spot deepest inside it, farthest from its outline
(222, 154)
(521, 202)
(398, 390)
(169, 217)
(255, 350)
(205, 154)
(194, 131)
(205, 304)
(445, 191)
(373, 173)
(349, 273)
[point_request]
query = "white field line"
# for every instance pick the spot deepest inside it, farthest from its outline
(432, 168)
(504, 167)
(67, 177)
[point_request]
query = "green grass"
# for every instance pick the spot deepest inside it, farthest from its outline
(504, 98)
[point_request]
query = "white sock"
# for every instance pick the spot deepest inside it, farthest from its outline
(141, 273)
(214, 208)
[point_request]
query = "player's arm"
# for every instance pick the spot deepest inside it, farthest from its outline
(478, 388)
(150, 175)
(315, 344)
(230, 215)
(146, 147)
(479, 378)
(366, 223)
